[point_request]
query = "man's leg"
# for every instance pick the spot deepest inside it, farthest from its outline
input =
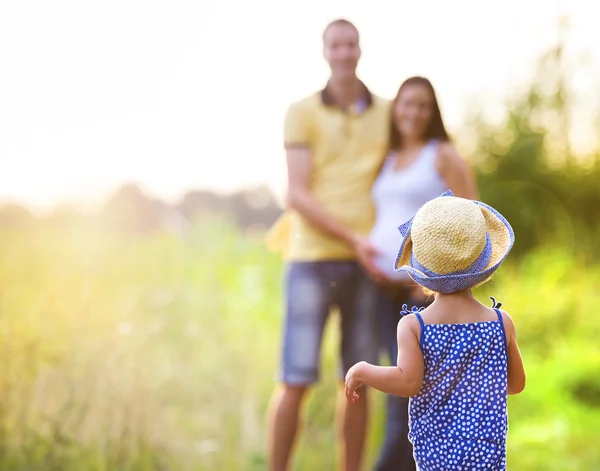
(283, 424)
(308, 297)
(359, 343)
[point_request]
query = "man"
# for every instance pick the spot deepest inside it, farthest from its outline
(335, 143)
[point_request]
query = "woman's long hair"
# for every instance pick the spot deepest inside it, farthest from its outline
(436, 129)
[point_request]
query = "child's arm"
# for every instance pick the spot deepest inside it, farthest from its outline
(402, 380)
(516, 370)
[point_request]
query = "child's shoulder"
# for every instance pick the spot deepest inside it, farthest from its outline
(507, 319)
(409, 321)
(466, 314)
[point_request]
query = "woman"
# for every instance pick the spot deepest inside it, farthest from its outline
(421, 164)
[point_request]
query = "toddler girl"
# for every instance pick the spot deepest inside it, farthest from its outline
(458, 359)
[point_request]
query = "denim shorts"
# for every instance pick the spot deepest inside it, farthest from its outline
(311, 290)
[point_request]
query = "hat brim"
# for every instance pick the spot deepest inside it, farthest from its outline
(502, 239)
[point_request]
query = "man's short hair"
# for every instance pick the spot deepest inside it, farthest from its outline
(339, 21)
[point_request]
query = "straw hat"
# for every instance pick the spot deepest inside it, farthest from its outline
(453, 244)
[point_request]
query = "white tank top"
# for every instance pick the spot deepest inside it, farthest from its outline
(397, 196)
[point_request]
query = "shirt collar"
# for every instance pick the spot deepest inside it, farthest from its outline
(362, 104)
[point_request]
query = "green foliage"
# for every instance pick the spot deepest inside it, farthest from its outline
(528, 171)
(158, 352)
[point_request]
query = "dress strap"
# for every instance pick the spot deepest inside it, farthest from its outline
(422, 336)
(503, 329)
(405, 311)
(420, 320)
(495, 305)
(389, 161)
(415, 310)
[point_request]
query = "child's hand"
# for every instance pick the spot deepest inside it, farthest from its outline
(354, 381)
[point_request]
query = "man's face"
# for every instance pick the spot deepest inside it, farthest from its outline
(341, 50)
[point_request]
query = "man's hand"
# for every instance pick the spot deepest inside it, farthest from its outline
(365, 251)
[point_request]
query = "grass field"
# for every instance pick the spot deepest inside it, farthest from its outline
(158, 352)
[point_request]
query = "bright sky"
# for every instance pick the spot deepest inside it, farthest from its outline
(184, 94)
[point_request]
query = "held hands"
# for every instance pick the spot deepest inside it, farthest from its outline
(365, 252)
(354, 381)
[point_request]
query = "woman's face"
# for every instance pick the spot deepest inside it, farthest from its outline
(413, 111)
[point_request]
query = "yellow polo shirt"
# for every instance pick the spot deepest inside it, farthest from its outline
(348, 148)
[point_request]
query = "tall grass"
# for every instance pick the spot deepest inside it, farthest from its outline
(158, 352)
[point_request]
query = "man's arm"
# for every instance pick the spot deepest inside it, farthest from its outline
(298, 139)
(299, 162)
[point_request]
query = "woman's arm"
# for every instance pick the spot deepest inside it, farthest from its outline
(402, 380)
(455, 171)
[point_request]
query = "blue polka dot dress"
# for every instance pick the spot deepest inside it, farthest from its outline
(458, 421)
